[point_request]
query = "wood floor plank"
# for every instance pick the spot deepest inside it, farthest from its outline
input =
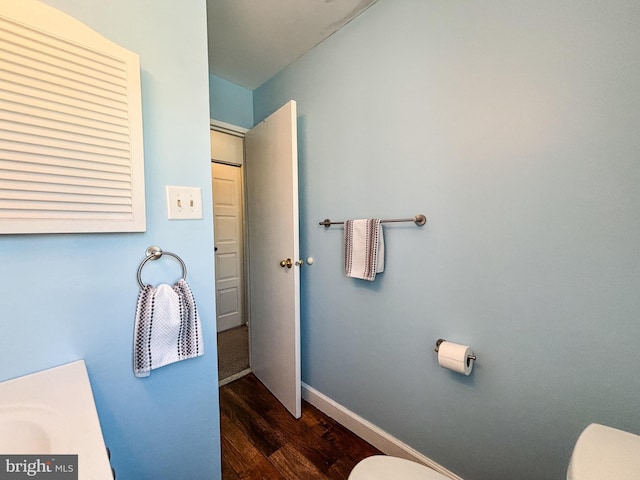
(242, 457)
(293, 465)
(305, 433)
(252, 424)
(260, 439)
(339, 470)
(349, 443)
(228, 473)
(262, 402)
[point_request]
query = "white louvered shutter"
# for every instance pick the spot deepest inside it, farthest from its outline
(71, 153)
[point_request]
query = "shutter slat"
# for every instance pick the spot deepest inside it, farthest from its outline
(61, 198)
(7, 186)
(26, 217)
(39, 91)
(80, 206)
(13, 103)
(40, 169)
(28, 158)
(35, 179)
(30, 139)
(62, 51)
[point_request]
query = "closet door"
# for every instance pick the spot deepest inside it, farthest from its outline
(226, 183)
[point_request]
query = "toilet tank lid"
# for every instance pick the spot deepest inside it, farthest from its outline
(605, 452)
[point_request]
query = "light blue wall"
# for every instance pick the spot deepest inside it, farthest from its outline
(514, 127)
(66, 297)
(230, 103)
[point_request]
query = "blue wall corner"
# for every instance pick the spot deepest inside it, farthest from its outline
(230, 103)
(67, 297)
(513, 127)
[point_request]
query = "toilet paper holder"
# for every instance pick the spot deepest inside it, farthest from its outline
(440, 340)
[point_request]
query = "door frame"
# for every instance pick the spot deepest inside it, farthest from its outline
(240, 132)
(229, 128)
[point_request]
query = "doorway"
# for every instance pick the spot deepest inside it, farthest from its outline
(227, 182)
(270, 165)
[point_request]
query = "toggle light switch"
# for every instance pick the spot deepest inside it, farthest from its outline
(184, 203)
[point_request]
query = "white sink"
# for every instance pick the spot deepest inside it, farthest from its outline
(53, 413)
(29, 430)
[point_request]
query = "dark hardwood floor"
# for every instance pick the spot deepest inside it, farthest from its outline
(261, 440)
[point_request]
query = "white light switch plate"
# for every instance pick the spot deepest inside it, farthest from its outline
(184, 203)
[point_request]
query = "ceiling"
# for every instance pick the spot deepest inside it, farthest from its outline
(252, 40)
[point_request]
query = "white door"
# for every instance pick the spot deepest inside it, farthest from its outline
(272, 209)
(226, 181)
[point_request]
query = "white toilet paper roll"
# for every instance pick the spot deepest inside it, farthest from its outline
(455, 357)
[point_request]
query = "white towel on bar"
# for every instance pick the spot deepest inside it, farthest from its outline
(363, 248)
(167, 327)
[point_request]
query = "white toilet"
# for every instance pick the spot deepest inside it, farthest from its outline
(600, 452)
(605, 452)
(381, 467)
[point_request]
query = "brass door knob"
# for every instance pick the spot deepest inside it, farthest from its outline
(286, 263)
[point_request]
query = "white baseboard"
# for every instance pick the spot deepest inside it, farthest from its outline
(377, 437)
(236, 376)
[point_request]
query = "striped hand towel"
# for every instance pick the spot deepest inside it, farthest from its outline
(167, 327)
(363, 248)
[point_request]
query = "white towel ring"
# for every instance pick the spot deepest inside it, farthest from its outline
(154, 253)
